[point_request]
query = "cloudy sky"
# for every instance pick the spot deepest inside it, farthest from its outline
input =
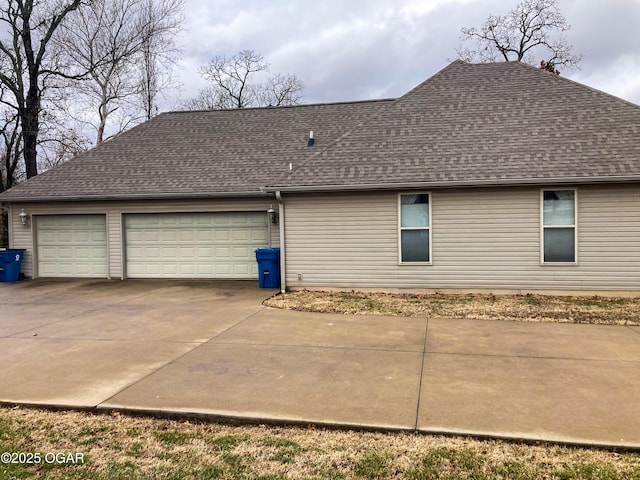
(363, 49)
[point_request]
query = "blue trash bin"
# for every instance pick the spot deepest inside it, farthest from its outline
(268, 267)
(10, 263)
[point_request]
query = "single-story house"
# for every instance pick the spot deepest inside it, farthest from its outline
(496, 176)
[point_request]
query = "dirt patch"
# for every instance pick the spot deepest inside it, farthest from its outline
(523, 308)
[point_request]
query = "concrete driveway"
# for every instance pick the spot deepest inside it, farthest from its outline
(210, 348)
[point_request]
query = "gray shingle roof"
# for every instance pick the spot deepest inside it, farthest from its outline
(469, 124)
(192, 154)
(485, 124)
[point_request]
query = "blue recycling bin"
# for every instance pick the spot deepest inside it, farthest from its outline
(268, 267)
(10, 263)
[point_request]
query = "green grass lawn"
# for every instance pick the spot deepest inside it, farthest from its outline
(117, 447)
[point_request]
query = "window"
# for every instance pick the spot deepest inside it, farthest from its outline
(415, 228)
(559, 226)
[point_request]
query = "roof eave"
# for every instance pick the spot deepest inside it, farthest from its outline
(454, 184)
(142, 196)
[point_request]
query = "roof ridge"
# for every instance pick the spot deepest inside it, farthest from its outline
(558, 77)
(439, 73)
(280, 107)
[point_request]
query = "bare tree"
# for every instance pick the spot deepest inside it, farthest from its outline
(158, 55)
(60, 140)
(10, 153)
(531, 31)
(280, 89)
(120, 44)
(57, 141)
(10, 141)
(30, 25)
(208, 98)
(10, 148)
(230, 78)
(232, 84)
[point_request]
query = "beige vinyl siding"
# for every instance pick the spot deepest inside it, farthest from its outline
(482, 239)
(115, 244)
(21, 237)
(609, 236)
(340, 240)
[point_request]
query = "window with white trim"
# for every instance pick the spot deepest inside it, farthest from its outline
(415, 228)
(559, 237)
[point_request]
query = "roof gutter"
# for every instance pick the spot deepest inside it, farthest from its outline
(142, 196)
(455, 183)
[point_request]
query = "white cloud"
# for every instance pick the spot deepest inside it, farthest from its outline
(375, 48)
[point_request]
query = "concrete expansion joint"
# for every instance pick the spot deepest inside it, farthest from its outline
(421, 378)
(228, 329)
(534, 357)
(634, 330)
(314, 346)
(48, 324)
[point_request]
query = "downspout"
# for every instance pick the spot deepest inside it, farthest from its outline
(283, 273)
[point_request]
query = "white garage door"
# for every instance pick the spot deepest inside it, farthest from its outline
(194, 245)
(71, 245)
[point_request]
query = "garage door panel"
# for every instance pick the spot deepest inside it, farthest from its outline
(187, 235)
(82, 269)
(222, 235)
(71, 245)
(223, 269)
(168, 236)
(82, 254)
(100, 237)
(46, 253)
(241, 251)
(194, 245)
(238, 235)
(45, 238)
(205, 252)
(222, 221)
(204, 236)
(99, 253)
(258, 235)
(185, 252)
(205, 270)
(81, 238)
(61, 252)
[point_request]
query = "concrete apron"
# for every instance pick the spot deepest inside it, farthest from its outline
(211, 350)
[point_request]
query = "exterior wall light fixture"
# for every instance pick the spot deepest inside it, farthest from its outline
(273, 215)
(24, 218)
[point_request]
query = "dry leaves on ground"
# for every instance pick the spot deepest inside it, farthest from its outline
(525, 308)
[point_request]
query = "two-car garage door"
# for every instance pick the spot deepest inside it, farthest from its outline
(194, 245)
(156, 245)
